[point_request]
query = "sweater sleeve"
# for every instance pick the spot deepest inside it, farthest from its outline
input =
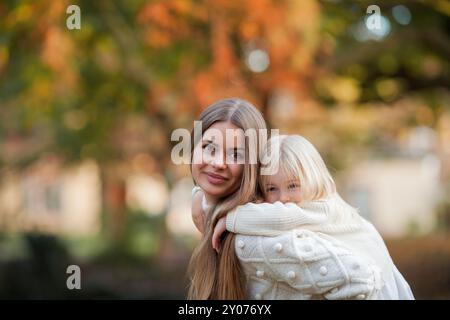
(271, 219)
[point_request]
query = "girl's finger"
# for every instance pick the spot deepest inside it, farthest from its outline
(216, 243)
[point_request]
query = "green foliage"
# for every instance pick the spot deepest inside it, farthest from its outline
(139, 241)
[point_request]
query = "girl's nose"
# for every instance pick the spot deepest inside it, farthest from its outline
(285, 197)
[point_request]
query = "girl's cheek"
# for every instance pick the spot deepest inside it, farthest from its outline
(270, 198)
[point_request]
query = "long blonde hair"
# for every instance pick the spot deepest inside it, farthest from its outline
(212, 275)
(296, 157)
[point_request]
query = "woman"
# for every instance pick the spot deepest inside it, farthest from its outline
(223, 184)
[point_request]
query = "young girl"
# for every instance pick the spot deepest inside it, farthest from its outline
(302, 195)
(225, 184)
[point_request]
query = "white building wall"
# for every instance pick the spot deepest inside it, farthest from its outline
(396, 193)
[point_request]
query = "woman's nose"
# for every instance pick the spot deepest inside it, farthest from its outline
(218, 161)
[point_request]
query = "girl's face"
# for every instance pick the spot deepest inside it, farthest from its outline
(280, 187)
(218, 162)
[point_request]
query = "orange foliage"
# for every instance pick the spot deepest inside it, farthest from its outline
(286, 30)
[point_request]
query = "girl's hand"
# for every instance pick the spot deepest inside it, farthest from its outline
(219, 229)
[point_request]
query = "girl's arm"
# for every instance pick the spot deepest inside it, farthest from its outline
(270, 219)
(196, 209)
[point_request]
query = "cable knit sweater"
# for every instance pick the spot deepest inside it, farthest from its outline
(328, 220)
(299, 264)
(303, 265)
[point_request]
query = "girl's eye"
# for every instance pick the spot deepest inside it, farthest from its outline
(293, 186)
(271, 189)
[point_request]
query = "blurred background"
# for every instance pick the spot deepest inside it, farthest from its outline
(86, 117)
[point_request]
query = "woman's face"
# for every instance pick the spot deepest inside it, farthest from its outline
(218, 161)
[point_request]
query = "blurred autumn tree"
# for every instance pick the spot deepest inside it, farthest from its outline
(116, 89)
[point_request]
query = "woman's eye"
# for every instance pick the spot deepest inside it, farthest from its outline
(208, 148)
(236, 156)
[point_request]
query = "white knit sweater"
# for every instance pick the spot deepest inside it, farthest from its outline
(301, 264)
(329, 220)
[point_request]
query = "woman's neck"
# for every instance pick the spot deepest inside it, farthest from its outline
(210, 199)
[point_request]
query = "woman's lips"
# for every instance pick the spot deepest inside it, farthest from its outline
(215, 179)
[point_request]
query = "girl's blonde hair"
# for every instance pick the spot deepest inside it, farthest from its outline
(219, 276)
(296, 157)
